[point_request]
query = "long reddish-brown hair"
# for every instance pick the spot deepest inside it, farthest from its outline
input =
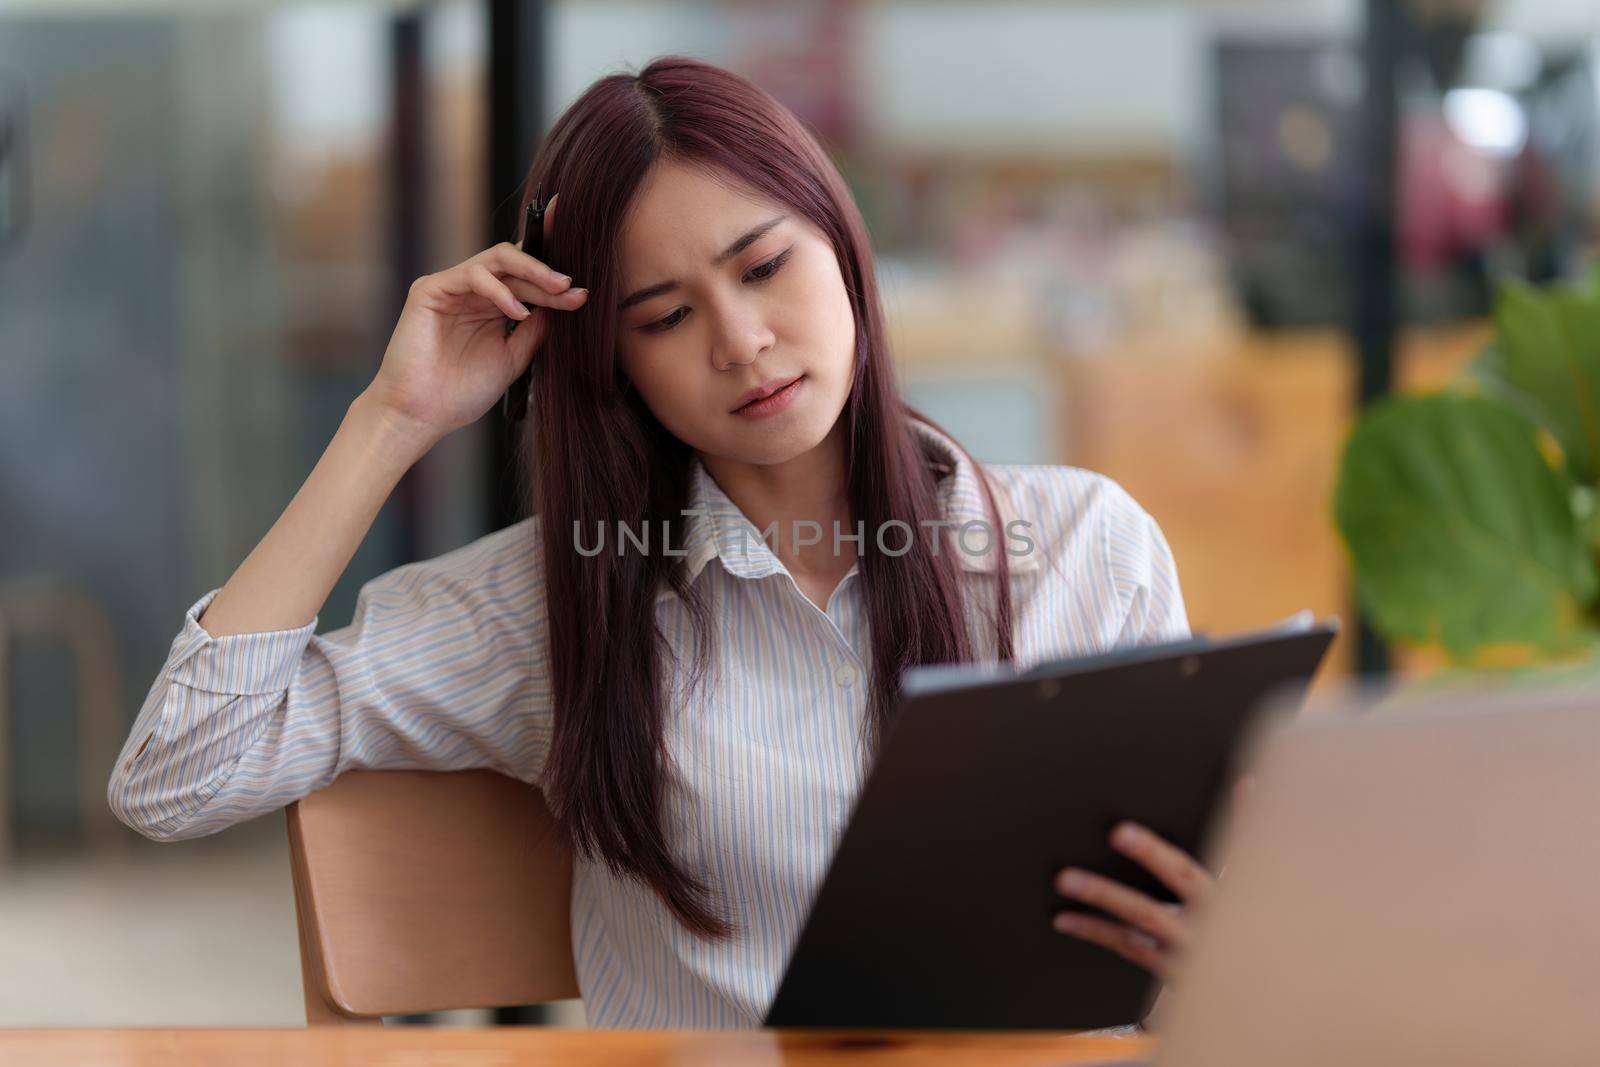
(596, 455)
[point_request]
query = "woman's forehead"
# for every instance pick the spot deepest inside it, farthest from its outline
(680, 201)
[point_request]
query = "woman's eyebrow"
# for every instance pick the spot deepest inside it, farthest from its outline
(754, 234)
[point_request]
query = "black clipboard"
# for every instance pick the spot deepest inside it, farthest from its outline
(935, 911)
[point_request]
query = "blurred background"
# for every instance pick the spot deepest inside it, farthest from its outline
(1177, 243)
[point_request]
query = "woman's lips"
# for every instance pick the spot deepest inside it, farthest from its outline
(765, 389)
(771, 405)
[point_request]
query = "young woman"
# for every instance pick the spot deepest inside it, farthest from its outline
(699, 712)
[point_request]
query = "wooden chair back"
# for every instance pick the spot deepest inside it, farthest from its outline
(420, 891)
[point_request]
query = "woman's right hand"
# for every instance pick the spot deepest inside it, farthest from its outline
(450, 358)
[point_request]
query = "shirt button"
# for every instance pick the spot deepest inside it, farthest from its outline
(845, 675)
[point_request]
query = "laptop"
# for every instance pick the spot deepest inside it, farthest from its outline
(1412, 880)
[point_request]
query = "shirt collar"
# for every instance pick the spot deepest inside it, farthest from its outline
(718, 529)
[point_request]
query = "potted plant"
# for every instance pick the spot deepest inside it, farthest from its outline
(1469, 513)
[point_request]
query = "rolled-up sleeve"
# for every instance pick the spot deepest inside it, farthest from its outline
(443, 667)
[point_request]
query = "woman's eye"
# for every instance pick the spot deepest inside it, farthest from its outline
(667, 323)
(771, 266)
(760, 273)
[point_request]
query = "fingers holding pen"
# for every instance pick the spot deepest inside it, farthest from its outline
(530, 279)
(477, 279)
(509, 293)
(567, 300)
(531, 294)
(507, 258)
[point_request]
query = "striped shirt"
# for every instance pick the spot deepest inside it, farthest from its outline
(445, 667)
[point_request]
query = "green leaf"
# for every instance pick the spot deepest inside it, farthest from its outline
(1460, 531)
(1487, 376)
(1546, 364)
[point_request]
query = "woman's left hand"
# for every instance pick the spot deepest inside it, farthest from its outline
(1151, 932)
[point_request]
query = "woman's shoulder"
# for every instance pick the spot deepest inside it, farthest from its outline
(1082, 522)
(1069, 503)
(1090, 535)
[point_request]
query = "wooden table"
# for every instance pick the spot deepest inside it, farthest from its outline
(419, 1046)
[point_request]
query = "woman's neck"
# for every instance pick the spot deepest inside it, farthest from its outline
(810, 488)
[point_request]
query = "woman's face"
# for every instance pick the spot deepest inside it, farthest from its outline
(725, 292)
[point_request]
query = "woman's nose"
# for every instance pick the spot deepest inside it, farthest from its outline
(740, 340)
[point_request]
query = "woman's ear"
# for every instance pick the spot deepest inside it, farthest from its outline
(549, 216)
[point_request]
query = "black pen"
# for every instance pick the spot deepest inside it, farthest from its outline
(514, 405)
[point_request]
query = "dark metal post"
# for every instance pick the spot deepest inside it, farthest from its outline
(516, 110)
(407, 223)
(407, 215)
(1374, 278)
(517, 43)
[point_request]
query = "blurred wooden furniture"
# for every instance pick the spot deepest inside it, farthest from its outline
(592, 1048)
(420, 891)
(44, 607)
(1233, 442)
(1229, 436)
